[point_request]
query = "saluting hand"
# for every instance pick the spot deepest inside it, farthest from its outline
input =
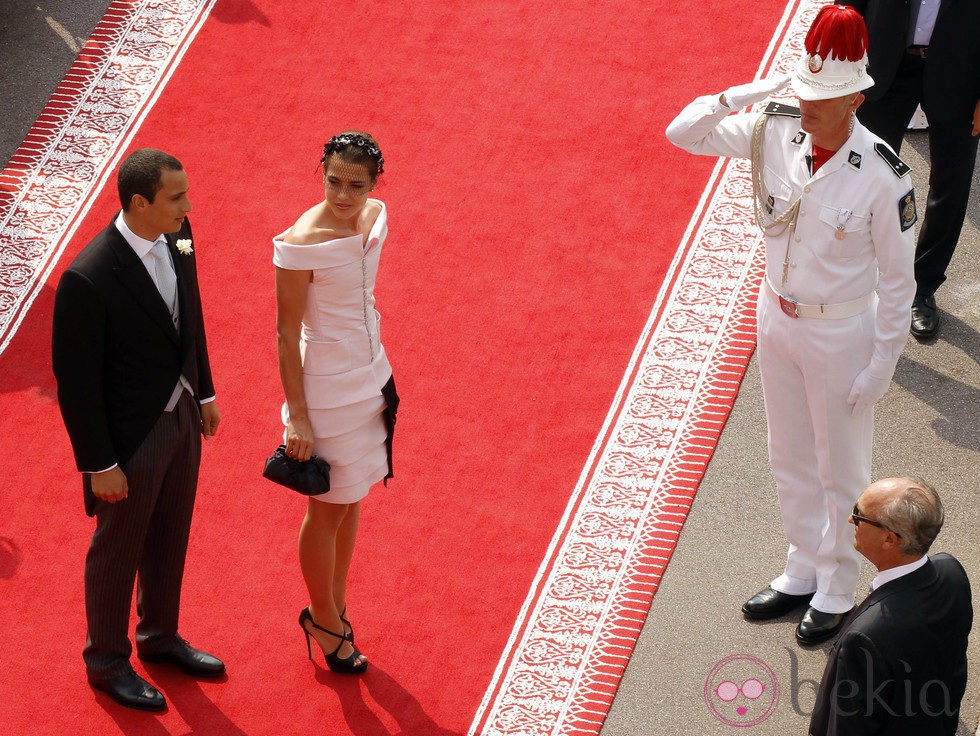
(735, 98)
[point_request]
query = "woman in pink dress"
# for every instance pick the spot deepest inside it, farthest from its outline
(340, 396)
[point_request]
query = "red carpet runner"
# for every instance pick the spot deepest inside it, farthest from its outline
(536, 209)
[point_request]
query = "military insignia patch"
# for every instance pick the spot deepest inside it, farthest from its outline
(854, 159)
(894, 162)
(906, 210)
(778, 108)
(800, 137)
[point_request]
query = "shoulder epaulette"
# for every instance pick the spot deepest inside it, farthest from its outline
(891, 158)
(778, 108)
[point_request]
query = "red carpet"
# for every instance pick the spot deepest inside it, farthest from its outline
(535, 210)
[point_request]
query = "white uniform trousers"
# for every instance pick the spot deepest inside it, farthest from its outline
(820, 454)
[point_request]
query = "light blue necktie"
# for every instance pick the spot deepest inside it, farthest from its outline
(166, 279)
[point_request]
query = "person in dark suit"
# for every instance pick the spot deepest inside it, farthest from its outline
(928, 52)
(135, 390)
(899, 666)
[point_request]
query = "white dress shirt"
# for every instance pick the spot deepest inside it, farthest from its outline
(925, 22)
(893, 573)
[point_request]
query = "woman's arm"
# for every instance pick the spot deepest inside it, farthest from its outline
(291, 288)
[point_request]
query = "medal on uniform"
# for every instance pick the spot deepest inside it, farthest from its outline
(842, 217)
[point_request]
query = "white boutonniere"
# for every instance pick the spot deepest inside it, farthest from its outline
(184, 246)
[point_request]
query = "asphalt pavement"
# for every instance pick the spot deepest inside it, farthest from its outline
(732, 543)
(40, 39)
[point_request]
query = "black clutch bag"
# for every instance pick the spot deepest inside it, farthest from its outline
(311, 478)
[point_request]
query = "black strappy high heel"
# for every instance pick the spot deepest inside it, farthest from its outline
(346, 665)
(345, 622)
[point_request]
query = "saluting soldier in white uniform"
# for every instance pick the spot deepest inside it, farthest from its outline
(837, 209)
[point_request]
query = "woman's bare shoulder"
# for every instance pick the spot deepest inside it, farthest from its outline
(306, 230)
(369, 215)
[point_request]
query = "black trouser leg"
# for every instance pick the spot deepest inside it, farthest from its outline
(953, 156)
(161, 569)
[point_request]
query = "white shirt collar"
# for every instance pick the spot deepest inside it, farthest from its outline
(140, 245)
(893, 573)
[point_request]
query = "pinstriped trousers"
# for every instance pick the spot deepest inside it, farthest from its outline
(143, 535)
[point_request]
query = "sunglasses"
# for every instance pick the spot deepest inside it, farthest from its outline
(857, 518)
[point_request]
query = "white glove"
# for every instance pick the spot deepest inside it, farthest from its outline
(866, 390)
(735, 98)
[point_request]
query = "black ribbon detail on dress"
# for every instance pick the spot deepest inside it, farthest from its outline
(390, 414)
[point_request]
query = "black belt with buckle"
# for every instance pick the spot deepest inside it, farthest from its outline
(920, 51)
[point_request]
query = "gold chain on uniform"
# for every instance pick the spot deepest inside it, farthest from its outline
(787, 218)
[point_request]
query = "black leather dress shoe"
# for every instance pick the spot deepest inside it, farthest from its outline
(131, 690)
(771, 603)
(925, 317)
(190, 660)
(818, 626)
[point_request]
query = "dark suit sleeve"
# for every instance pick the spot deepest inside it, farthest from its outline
(205, 383)
(78, 348)
(862, 690)
(859, 5)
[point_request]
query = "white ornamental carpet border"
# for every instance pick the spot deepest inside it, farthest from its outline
(579, 624)
(77, 140)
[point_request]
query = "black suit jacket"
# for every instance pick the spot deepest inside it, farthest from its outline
(899, 667)
(115, 351)
(951, 80)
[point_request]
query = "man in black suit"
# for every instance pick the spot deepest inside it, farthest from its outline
(928, 52)
(899, 667)
(135, 390)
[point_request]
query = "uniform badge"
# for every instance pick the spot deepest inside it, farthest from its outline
(906, 210)
(854, 159)
(800, 137)
(814, 63)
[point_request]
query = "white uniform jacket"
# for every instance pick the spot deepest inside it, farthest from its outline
(856, 189)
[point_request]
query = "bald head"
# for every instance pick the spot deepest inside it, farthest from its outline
(910, 508)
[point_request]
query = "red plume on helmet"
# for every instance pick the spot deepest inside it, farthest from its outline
(836, 59)
(838, 32)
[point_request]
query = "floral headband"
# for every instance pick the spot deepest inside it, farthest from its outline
(344, 140)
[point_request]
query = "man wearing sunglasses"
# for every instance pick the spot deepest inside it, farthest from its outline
(899, 667)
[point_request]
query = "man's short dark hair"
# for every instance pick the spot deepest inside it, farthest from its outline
(141, 172)
(916, 514)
